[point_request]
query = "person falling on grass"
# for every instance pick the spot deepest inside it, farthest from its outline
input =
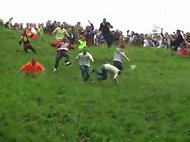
(62, 51)
(84, 59)
(119, 53)
(26, 42)
(32, 68)
(106, 69)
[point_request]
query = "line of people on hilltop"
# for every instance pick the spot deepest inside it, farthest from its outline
(174, 41)
(96, 36)
(93, 36)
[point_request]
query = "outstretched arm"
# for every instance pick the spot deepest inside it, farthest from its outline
(125, 56)
(20, 41)
(110, 25)
(18, 73)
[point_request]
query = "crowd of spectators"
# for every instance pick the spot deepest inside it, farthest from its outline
(96, 36)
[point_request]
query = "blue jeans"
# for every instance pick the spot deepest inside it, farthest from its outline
(85, 72)
(102, 74)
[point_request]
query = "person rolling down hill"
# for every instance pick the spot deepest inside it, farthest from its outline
(62, 51)
(32, 68)
(84, 59)
(106, 69)
(26, 42)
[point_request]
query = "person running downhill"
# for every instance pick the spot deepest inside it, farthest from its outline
(62, 51)
(26, 42)
(60, 32)
(105, 30)
(119, 53)
(84, 59)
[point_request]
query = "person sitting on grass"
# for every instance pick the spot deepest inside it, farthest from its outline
(32, 68)
(182, 50)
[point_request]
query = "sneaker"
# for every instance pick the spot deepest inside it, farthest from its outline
(54, 70)
(67, 63)
(93, 70)
(133, 67)
(91, 80)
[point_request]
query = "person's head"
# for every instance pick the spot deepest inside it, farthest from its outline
(78, 23)
(104, 20)
(61, 26)
(39, 25)
(24, 32)
(33, 61)
(82, 37)
(84, 51)
(183, 45)
(66, 39)
(178, 32)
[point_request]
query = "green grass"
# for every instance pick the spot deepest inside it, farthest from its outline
(151, 103)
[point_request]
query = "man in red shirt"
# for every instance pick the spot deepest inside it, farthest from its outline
(32, 68)
(26, 42)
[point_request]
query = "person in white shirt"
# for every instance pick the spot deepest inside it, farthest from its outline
(117, 59)
(102, 73)
(62, 51)
(146, 43)
(84, 59)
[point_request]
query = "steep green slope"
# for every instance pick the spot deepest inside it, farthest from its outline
(151, 104)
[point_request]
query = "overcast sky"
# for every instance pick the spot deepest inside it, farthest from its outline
(137, 15)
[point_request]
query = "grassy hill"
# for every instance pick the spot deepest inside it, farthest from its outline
(151, 103)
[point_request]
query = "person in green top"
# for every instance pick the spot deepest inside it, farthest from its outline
(60, 32)
(81, 43)
(40, 31)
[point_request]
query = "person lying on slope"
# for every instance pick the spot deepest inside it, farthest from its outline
(32, 68)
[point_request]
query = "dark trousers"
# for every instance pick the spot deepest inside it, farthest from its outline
(102, 74)
(85, 72)
(27, 46)
(118, 65)
(108, 38)
(59, 56)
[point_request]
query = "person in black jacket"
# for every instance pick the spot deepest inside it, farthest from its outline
(178, 40)
(105, 29)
